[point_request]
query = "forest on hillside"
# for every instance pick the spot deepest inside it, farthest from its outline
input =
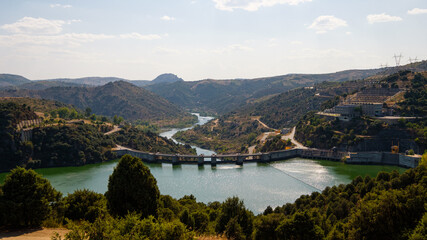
(68, 137)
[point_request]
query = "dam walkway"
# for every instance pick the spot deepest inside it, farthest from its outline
(237, 158)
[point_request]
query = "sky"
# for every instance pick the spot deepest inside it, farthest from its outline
(200, 39)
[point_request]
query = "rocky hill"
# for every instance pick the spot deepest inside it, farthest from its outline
(167, 78)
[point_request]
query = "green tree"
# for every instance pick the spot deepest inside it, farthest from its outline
(420, 231)
(234, 208)
(265, 226)
(233, 230)
(132, 188)
(29, 198)
(85, 205)
(301, 226)
(88, 111)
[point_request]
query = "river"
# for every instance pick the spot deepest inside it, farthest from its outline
(201, 121)
(258, 184)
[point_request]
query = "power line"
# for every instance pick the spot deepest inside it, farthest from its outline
(397, 59)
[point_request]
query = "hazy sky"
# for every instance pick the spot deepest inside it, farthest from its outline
(198, 39)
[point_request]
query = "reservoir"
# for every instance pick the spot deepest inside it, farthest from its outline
(258, 184)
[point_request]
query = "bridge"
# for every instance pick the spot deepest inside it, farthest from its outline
(235, 158)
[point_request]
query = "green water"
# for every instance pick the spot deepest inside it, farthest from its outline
(259, 185)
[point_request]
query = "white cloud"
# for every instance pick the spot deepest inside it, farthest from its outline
(322, 24)
(416, 11)
(252, 5)
(73, 39)
(167, 18)
(29, 25)
(57, 5)
(68, 39)
(381, 18)
(138, 36)
(348, 33)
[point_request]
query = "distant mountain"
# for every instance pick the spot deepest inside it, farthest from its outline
(115, 98)
(167, 78)
(95, 81)
(10, 80)
(42, 84)
(221, 96)
(19, 82)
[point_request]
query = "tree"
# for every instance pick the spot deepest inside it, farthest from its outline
(88, 111)
(132, 188)
(301, 226)
(84, 205)
(29, 198)
(234, 208)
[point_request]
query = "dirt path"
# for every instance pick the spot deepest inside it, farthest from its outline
(33, 234)
(263, 124)
(115, 129)
(291, 136)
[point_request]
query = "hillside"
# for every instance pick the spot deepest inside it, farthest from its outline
(229, 134)
(366, 133)
(167, 78)
(9, 80)
(287, 109)
(63, 137)
(116, 98)
(221, 96)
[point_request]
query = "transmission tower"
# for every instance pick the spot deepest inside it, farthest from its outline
(413, 60)
(397, 58)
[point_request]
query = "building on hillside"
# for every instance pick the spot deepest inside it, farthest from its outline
(348, 111)
(372, 109)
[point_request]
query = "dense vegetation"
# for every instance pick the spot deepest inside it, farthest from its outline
(415, 102)
(149, 141)
(11, 148)
(61, 141)
(389, 206)
(69, 145)
(224, 135)
(115, 98)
